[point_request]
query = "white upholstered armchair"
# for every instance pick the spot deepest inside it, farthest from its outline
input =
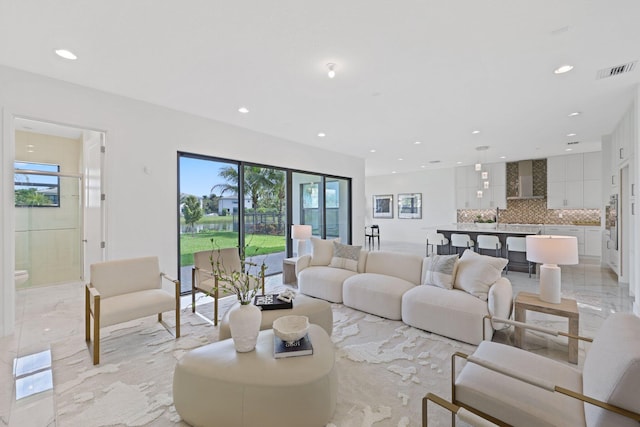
(510, 386)
(124, 290)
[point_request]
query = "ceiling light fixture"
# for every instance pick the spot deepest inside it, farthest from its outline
(563, 69)
(417, 143)
(243, 110)
(322, 134)
(568, 149)
(571, 134)
(503, 157)
(575, 113)
(332, 72)
(66, 54)
(400, 158)
(475, 132)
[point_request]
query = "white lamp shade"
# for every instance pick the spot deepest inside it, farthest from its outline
(545, 249)
(301, 232)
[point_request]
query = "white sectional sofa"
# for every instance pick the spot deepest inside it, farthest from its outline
(439, 294)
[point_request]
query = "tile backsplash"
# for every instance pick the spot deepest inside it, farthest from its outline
(533, 211)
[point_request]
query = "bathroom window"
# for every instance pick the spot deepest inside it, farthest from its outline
(36, 184)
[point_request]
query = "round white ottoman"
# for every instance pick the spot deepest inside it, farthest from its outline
(317, 310)
(216, 386)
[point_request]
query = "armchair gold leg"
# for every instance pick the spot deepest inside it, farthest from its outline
(177, 309)
(193, 290)
(96, 331)
(87, 315)
(215, 307)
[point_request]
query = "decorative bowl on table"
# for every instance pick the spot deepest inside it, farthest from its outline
(291, 328)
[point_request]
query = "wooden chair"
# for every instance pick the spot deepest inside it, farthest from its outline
(124, 290)
(203, 278)
(371, 233)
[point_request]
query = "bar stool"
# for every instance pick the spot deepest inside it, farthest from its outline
(517, 244)
(437, 239)
(489, 242)
(371, 233)
(461, 241)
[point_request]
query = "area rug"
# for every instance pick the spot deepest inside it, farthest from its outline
(384, 368)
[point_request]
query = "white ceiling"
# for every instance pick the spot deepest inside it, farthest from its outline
(407, 70)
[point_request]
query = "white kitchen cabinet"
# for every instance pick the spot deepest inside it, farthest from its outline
(567, 187)
(592, 241)
(469, 182)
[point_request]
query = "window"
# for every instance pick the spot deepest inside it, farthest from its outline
(37, 187)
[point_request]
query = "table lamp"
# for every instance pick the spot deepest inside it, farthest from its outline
(301, 233)
(551, 251)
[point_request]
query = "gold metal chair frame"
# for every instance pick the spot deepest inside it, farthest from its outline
(93, 293)
(454, 406)
(215, 294)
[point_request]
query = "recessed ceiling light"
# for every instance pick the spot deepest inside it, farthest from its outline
(243, 110)
(563, 69)
(393, 171)
(575, 113)
(322, 134)
(503, 157)
(400, 158)
(417, 143)
(571, 134)
(475, 132)
(332, 72)
(66, 54)
(373, 150)
(458, 163)
(568, 149)
(422, 166)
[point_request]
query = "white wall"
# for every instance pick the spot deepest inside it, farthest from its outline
(438, 203)
(141, 164)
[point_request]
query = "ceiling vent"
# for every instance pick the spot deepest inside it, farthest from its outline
(614, 71)
(573, 142)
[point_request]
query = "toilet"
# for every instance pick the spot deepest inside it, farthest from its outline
(21, 276)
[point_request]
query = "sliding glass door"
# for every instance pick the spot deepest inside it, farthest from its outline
(224, 203)
(209, 209)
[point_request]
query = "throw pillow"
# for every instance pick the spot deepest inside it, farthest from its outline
(476, 273)
(439, 270)
(345, 256)
(322, 251)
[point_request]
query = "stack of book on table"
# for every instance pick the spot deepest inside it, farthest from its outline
(271, 302)
(282, 349)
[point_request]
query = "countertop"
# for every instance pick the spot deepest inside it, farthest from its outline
(500, 228)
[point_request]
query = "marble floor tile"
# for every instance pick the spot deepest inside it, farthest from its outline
(46, 315)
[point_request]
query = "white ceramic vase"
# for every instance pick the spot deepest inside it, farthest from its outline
(244, 322)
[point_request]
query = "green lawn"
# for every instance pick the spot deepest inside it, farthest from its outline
(258, 244)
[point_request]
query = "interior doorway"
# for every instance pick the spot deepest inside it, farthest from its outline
(59, 203)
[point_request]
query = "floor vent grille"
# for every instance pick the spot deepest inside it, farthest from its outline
(617, 70)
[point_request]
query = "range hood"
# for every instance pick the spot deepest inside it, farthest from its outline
(524, 184)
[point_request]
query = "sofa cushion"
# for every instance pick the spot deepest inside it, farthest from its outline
(611, 370)
(323, 282)
(322, 251)
(516, 402)
(376, 294)
(401, 265)
(439, 270)
(476, 273)
(451, 313)
(345, 256)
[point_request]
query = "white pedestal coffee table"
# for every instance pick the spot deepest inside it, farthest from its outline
(317, 310)
(216, 386)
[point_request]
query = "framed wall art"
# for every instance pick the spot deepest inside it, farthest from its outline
(383, 206)
(410, 205)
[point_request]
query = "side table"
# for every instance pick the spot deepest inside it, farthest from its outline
(567, 308)
(289, 271)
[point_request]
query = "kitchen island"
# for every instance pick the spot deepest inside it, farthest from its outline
(517, 260)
